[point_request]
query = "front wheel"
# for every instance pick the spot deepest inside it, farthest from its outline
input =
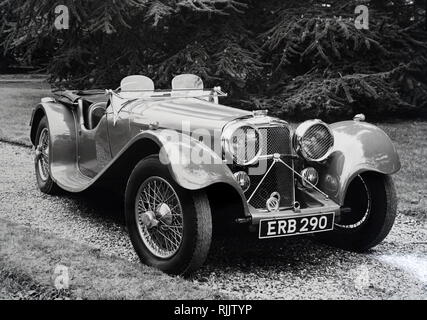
(170, 227)
(372, 200)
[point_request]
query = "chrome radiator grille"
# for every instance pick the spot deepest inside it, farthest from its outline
(280, 179)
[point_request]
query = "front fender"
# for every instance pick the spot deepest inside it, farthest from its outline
(359, 147)
(181, 154)
(192, 164)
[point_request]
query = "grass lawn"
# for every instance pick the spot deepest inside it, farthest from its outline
(410, 139)
(29, 259)
(16, 103)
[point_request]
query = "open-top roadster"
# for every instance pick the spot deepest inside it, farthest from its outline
(186, 163)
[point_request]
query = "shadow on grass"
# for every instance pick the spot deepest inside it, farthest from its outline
(100, 203)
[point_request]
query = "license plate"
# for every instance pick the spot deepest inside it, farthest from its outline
(273, 228)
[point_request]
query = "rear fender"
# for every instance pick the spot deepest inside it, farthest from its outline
(62, 129)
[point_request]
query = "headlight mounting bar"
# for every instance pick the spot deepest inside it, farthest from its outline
(314, 187)
(277, 158)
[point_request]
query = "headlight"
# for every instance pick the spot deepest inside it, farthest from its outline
(313, 140)
(241, 143)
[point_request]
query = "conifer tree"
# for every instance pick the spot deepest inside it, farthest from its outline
(297, 58)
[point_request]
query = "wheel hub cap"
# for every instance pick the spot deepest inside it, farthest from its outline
(164, 213)
(160, 217)
(148, 219)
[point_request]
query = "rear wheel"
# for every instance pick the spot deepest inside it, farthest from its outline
(170, 227)
(41, 161)
(372, 200)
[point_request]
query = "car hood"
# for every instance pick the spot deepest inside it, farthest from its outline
(191, 112)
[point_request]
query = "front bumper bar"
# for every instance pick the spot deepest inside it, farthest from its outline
(323, 205)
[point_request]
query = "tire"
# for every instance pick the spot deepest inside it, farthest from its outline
(41, 161)
(362, 230)
(195, 218)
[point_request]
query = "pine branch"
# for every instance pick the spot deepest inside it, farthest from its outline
(212, 6)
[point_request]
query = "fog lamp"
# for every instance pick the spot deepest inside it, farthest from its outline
(243, 180)
(310, 177)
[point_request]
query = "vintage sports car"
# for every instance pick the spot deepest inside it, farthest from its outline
(188, 165)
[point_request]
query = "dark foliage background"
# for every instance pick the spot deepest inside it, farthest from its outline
(298, 58)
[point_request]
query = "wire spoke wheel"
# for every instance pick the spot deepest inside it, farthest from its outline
(42, 154)
(371, 198)
(159, 215)
(170, 227)
(359, 199)
(42, 146)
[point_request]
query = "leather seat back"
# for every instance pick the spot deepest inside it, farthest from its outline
(136, 86)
